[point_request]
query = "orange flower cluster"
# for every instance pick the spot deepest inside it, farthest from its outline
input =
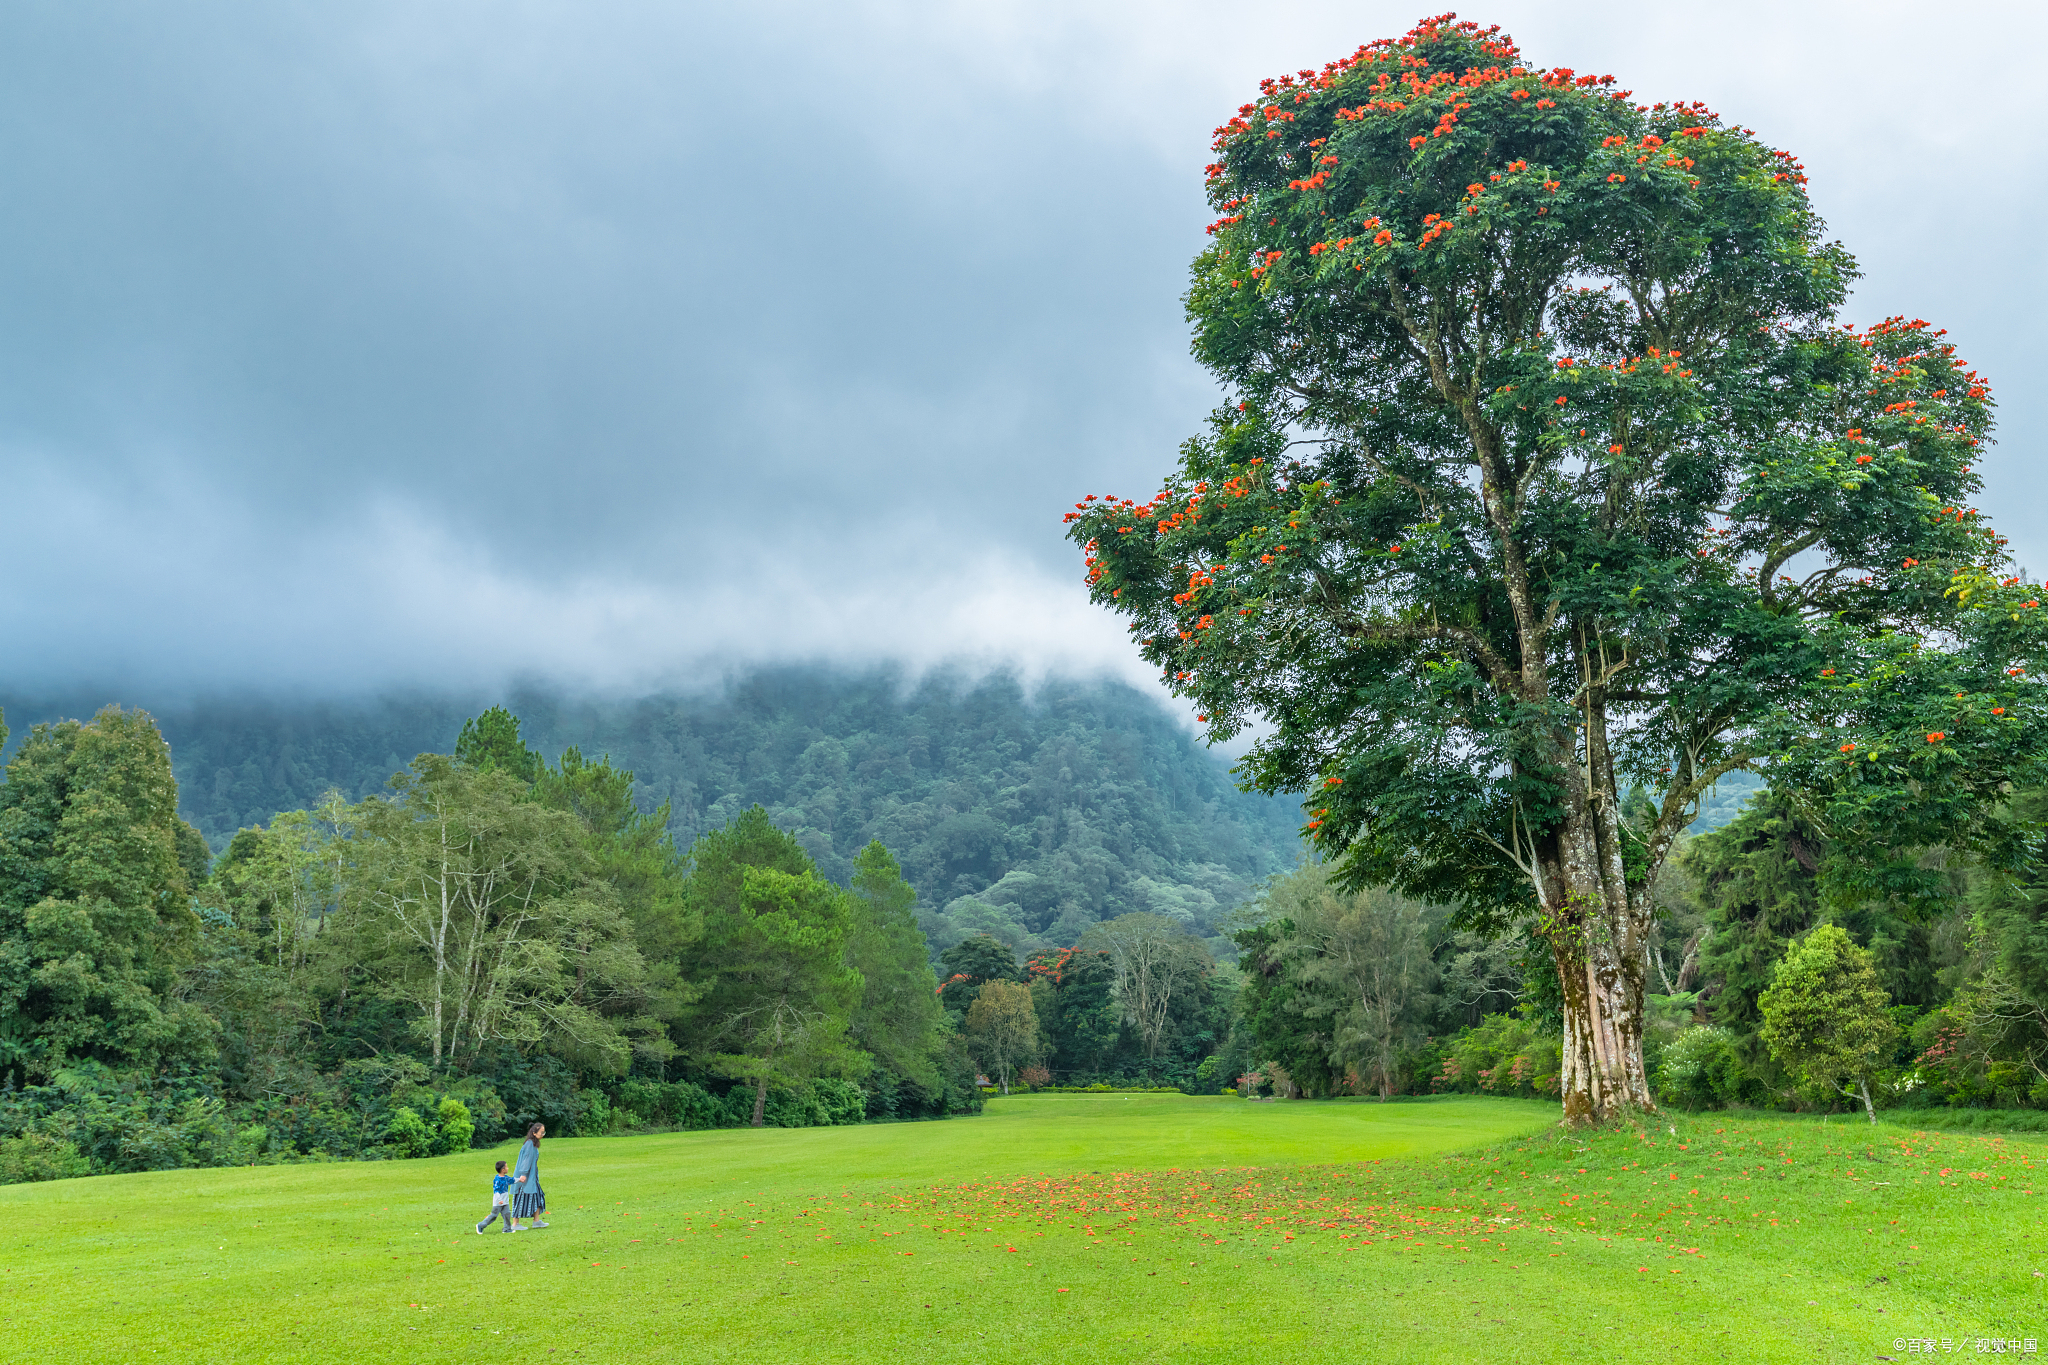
(1793, 172)
(1399, 60)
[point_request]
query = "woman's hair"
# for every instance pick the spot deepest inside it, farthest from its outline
(533, 1131)
(501, 1168)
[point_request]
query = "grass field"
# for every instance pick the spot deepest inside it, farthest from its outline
(1069, 1228)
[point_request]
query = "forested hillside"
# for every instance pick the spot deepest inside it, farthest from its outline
(1026, 816)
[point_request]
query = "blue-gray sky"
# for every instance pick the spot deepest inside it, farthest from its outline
(348, 345)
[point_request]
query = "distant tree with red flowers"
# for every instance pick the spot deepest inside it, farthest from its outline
(1548, 474)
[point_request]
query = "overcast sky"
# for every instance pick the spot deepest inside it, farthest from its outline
(351, 345)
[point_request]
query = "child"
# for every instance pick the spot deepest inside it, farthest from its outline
(501, 1185)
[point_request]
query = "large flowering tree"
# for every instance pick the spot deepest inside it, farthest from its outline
(1548, 476)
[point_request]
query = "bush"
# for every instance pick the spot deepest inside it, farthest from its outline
(453, 1127)
(593, 1114)
(1502, 1054)
(791, 1109)
(840, 1101)
(408, 1134)
(669, 1104)
(38, 1156)
(535, 1089)
(1693, 1070)
(486, 1111)
(252, 1143)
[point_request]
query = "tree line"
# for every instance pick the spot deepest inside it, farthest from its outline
(493, 940)
(1027, 815)
(497, 939)
(1768, 992)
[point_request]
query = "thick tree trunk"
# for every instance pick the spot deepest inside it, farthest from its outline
(1598, 926)
(1600, 967)
(760, 1100)
(1604, 1076)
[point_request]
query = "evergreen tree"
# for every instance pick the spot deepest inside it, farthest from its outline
(899, 1021)
(1756, 879)
(1084, 1023)
(970, 962)
(636, 854)
(96, 917)
(490, 743)
(778, 992)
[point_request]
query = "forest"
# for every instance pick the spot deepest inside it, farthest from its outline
(497, 937)
(1025, 816)
(1946, 995)
(493, 940)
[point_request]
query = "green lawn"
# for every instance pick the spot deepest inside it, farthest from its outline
(1068, 1228)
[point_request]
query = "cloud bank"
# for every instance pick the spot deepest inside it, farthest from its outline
(392, 344)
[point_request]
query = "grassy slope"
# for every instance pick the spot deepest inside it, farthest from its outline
(1144, 1227)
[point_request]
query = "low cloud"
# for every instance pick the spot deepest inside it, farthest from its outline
(620, 343)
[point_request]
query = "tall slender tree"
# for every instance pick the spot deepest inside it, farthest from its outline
(1156, 961)
(899, 1019)
(1548, 470)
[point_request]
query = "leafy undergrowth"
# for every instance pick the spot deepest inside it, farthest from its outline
(1722, 1238)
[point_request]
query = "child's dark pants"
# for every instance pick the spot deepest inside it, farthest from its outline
(498, 1211)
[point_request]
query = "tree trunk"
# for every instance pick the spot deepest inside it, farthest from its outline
(760, 1100)
(1863, 1085)
(1601, 976)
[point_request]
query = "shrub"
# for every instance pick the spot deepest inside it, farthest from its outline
(251, 1145)
(736, 1110)
(1503, 1054)
(670, 1104)
(38, 1156)
(593, 1112)
(453, 1127)
(840, 1101)
(487, 1116)
(1694, 1069)
(1968, 1120)
(408, 1134)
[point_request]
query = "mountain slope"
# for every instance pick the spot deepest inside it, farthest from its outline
(1030, 816)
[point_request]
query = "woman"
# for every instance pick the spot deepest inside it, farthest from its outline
(528, 1199)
